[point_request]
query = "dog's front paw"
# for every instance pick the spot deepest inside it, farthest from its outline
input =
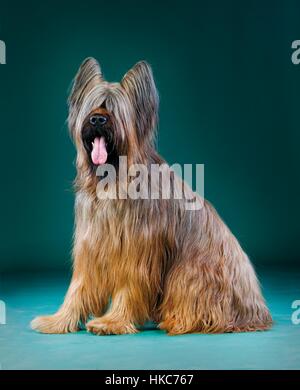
(101, 326)
(53, 324)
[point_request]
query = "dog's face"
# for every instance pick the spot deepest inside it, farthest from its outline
(108, 120)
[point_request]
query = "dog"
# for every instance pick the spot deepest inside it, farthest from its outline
(141, 259)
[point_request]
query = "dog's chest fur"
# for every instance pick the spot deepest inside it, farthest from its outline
(123, 227)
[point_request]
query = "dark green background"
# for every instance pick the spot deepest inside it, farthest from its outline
(229, 99)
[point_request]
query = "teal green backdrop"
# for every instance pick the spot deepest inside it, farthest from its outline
(229, 99)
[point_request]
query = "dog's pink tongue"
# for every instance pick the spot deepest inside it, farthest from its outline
(99, 152)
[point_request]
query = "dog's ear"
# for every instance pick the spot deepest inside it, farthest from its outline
(139, 84)
(88, 75)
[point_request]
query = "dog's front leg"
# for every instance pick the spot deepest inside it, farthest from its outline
(66, 319)
(127, 310)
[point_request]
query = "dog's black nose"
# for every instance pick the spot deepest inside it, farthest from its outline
(98, 119)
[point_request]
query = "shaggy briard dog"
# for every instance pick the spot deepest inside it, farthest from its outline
(140, 259)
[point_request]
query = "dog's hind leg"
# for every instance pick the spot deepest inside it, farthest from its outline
(196, 299)
(213, 295)
(212, 286)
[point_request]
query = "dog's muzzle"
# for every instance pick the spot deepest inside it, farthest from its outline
(97, 138)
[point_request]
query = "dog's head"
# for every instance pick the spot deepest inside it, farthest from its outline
(108, 120)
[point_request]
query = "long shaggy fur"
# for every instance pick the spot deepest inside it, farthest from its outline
(153, 258)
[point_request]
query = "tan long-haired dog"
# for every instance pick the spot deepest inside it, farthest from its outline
(154, 258)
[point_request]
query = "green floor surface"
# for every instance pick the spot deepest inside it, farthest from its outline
(27, 296)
